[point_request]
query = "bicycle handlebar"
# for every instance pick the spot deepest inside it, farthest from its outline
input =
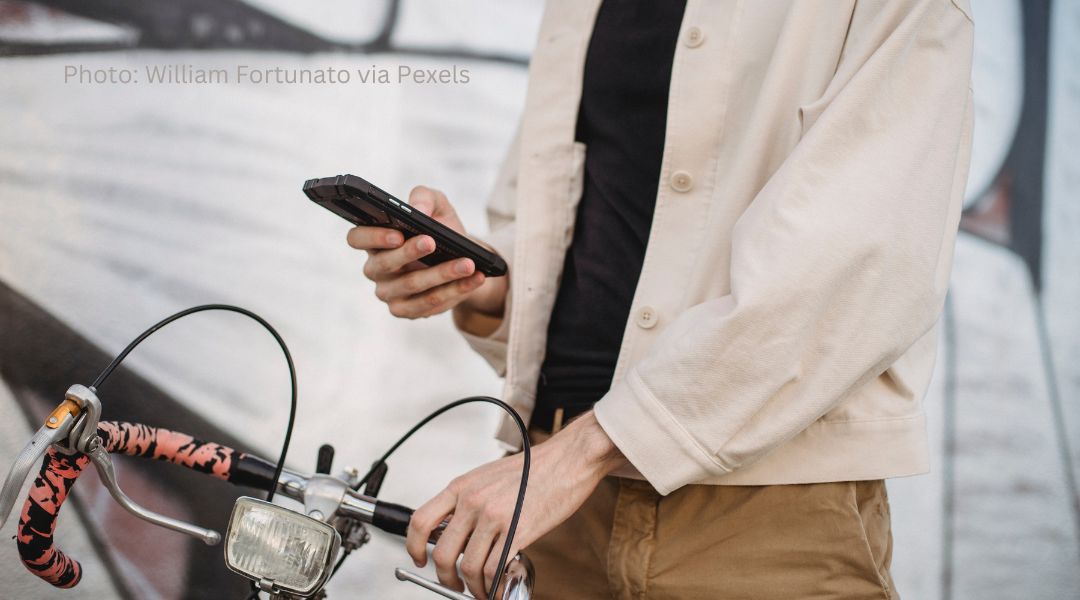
(59, 472)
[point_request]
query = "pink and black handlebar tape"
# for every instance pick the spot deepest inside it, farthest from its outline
(59, 472)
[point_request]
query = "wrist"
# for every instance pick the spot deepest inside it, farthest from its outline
(489, 299)
(594, 446)
(481, 312)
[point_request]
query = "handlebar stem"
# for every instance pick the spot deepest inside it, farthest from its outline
(331, 496)
(322, 496)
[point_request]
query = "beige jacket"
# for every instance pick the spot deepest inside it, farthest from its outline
(783, 328)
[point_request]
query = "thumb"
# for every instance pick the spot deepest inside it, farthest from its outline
(424, 199)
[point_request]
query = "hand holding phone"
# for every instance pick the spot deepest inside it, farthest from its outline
(363, 203)
(412, 289)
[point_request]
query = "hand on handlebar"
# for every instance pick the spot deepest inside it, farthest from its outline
(414, 290)
(565, 471)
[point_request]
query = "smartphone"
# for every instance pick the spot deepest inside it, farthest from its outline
(362, 203)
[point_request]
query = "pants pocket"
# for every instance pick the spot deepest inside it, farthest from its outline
(871, 504)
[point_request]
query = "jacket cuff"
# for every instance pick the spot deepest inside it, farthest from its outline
(665, 454)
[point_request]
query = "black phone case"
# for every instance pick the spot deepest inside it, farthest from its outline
(362, 203)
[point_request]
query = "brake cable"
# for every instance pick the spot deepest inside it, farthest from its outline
(381, 462)
(518, 504)
(104, 375)
(101, 378)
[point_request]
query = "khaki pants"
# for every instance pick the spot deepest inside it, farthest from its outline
(829, 540)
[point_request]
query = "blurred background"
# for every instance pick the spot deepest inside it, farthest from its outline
(123, 203)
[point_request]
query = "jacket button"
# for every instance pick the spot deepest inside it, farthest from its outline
(681, 181)
(647, 317)
(694, 37)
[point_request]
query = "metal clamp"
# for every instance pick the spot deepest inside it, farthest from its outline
(84, 429)
(323, 495)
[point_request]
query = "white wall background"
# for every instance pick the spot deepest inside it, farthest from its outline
(119, 205)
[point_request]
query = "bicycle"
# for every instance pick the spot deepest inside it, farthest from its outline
(285, 553)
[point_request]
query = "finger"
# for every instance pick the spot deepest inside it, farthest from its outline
(422, 280)
(450, 546)
(492, 564)
(476, 556)
(424, 521)
(388, 262)
(434, 204)
(424, 199)
(374, 238)
(414, 266)
(436, 300)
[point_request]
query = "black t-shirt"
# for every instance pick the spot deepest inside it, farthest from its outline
(621, 120)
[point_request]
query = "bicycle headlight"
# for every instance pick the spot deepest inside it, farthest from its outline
(279, 549)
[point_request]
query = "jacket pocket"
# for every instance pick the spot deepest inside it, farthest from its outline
(809, 113)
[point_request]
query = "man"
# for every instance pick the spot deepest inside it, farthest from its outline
(730, 229)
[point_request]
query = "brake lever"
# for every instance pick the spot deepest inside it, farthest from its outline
(100, 457)
(56, 429)
(72, 427)
(84, 438)
(517, 581)
(430, 585)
